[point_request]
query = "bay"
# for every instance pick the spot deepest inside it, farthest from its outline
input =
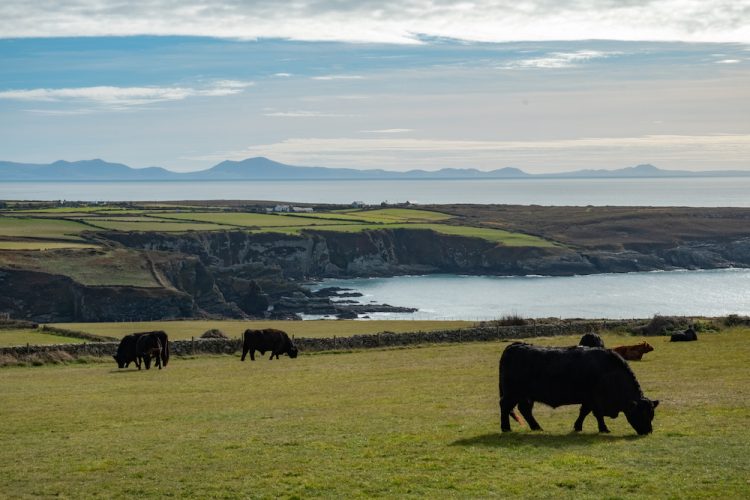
(616, 296)
(694, 192)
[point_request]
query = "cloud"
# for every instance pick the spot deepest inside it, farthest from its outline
(337, 77)
(728, 61)
(304, 114)
(388, 131)
(282, 75)
(124, 97)
(670, 151)
(557, 60)
(387, 21)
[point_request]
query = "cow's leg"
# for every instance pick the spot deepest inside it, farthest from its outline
(244, 353)
(138, 362)
(582, 414)
(158, 360)
(252, 355)
(600, 422)
(525, 407)
(506, 406)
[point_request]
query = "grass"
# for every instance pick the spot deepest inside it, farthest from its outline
(322, 328)
(242, 219)
(9, 338)
(42, 245)
(87, 266)
(13, 227)
(384, 216)
(397, 423)
(155, 226)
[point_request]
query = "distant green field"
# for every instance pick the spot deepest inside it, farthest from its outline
(384, 216)
(42, 245)
(41, 228)
(149, 224)
(9, 338)
(322, 328)
(242, 219)
(392, 423)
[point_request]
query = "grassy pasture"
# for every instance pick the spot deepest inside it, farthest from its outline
(320, 328)
(384, 216)
(9, 338)
(241, 219)
(11, 227)
(419, 422)
(155, 225)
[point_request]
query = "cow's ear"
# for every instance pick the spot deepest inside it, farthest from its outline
(655, 403)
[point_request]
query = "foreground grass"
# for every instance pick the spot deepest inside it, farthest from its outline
(9, 338)
(398, 423)
(42, 245)
(11, 227)
(322, 328)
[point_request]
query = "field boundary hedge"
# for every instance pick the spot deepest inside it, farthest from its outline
(481, 333)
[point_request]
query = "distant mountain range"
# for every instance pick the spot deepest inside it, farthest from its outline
(260, 168)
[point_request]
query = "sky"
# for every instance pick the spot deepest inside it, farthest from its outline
(541, 85)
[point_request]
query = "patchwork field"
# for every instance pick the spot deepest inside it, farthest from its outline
(419, 422)
(65, 223)
(187, 329)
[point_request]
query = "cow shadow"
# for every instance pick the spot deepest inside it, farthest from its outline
(542, 439)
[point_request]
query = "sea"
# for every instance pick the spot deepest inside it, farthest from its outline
(693, 192)
(615, 296)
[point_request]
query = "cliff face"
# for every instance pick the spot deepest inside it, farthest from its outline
(47, 297)
(238, 274)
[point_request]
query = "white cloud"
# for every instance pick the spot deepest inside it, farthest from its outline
(282, 75)
(124, 97)
(388, 131)
(304, 114)
(728, 61)
(337, 77)
(388, 21)
(556, 60)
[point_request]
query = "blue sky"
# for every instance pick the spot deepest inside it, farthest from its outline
(184, 86)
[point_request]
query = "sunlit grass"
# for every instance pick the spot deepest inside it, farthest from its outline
(419, 422)
(21, 337)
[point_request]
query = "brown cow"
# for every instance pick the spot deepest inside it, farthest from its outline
(633, 352)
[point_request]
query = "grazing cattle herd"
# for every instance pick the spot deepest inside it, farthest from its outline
(590, 375)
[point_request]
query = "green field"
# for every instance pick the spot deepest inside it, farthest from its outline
(384, 216)
(11, 227)
(242, 219)
(42, 245)
(321, 328)
(398, 423)
(149, 224)
(16, 337)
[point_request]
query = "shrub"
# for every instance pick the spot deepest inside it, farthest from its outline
(511, 320)
(214, 333)
(662, 325)
(736, 320)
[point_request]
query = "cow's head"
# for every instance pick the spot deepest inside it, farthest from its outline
(119, 360)
(292, 352)
(640, 413)
(646, 347)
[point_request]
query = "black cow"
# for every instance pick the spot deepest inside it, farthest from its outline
(597, 379)
(276, 341)
(126, 351)
(148, 346)
(686, 336)
(591, 339)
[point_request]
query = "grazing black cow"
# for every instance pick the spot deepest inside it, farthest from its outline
(149, 346)
(686, 336)
(591, 339)
(597, 379)
(126, 351)
(276, 341)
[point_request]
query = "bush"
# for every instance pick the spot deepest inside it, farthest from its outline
(214, 333)
(510, 320)
(736, 320)
(662, 325)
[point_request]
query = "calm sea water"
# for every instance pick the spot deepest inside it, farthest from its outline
(696, 192)
(630, 295)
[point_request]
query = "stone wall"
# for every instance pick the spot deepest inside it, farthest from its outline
(483, 333)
